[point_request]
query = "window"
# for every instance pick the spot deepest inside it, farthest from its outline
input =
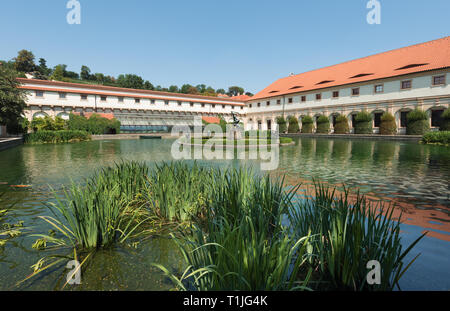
(318, 96)
(62, 95)
(223, 106)
(152, 101)
(83, 97)
(303, 98)
(353, 120)
(268, 103)
(403, 119)
(250, 106)
(278, 101)
(191, 104)
(137, 100)
(436, 118)
(179, 103)
(259, 104)
(355, 91)
(213, 105)
(120, 99)
(103, 98)
(203, 105)
(290, 100)
(335, 94)
(377, 119)
(379, 88)
(166, 102)
(439, 80)
(242, 107)
(406, 84)
(39, 93)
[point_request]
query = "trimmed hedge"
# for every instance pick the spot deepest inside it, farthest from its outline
(341, 126)
(49, 137)
(364, 123)
(439, 138)
(417, 122)
(445, 126)
(323, 125)
(388, 125)
(307, 125)
(293, 125)
(282, 128)
(95, 125)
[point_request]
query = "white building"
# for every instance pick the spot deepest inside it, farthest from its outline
(396, 81)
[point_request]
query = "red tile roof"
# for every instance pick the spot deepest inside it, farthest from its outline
(241, 97)
(108, 116)
(416, 58)
(214, 120)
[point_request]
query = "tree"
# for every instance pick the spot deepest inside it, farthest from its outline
(12, 99)
(235, 91)
(130, 81)
(58, 73)
(185, 88)
(220, 91)
(24, 61)
(85, 73)
(209, 91)
(148, 86)
(201, 88)
(174, 89)
(42, 68)
(249, 94)
(192, 90)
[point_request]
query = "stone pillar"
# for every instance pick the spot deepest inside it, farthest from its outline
(2, 131)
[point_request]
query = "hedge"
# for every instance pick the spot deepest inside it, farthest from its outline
(95, 125)
(307, 124)
(293, 125)
(388, 125)
(439, 138)
(323, 125)
(417, 122)
(282, 128)
(46, 137)
(364, 123)
(445, 125)
(341, 126)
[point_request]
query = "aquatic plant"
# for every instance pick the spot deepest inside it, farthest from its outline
(438, 138)
(347, 234)
(42, 137)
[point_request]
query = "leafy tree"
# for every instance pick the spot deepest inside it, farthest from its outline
(185, 88)
(220, 91)
(85, 73)
(235, 91)
(131, 81)
(24, 61)
(201, 88)
(58, 73)
(99, 77)
(192, 90)
(12, 99)
(249, 94)
(42, 68)
(148, 86)
(174, 89)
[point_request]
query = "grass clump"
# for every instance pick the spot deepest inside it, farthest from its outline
(388, 125)
(307, 125)
(364, 123)
(437, 138)
(346, 236)
(323, 125)
(341, 126)
(417, 122)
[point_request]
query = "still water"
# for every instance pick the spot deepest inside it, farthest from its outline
(414, 177)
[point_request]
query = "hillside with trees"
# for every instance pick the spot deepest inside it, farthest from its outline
(25, 63)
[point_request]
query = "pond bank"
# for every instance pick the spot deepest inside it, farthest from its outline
(6, 143)
(358, 136)
(131, 136)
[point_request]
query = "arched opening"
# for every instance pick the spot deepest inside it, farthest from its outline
(436, 116)
(377, 118)
(269, 124)
(64, 115)
(40, 114)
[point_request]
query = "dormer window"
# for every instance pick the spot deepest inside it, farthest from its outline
(361, 75)
(296, 87)
(411, 66)
(325, 81)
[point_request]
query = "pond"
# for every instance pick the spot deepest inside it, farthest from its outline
(415, 177)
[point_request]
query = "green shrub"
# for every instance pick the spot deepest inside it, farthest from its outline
(445, 126)
(293, 125)
(307, 124)
(46, 137)
(388, 125)
(341, 126)
(364, 123)
(282, 128)
(95, 125)
(417, 122)
(323, 125)
(438, 138)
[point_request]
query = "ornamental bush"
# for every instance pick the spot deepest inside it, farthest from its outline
(364, 123)
(307, 124)
(293, 125)
(387, 125)
(282, 128)
(445, 125)
(417, 122)
(46, 137)
(439, 138)
(341, 126)
(323, 125)
(95, 125)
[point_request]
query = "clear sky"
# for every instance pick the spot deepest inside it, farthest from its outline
(249, 43)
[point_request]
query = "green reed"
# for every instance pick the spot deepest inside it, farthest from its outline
(347, 234)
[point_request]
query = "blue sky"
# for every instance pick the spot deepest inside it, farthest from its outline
(219, 43)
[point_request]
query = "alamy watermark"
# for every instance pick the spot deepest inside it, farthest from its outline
(374, 275)
(374, 15)
(211, 143)
(73, 277)
(74, 15)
